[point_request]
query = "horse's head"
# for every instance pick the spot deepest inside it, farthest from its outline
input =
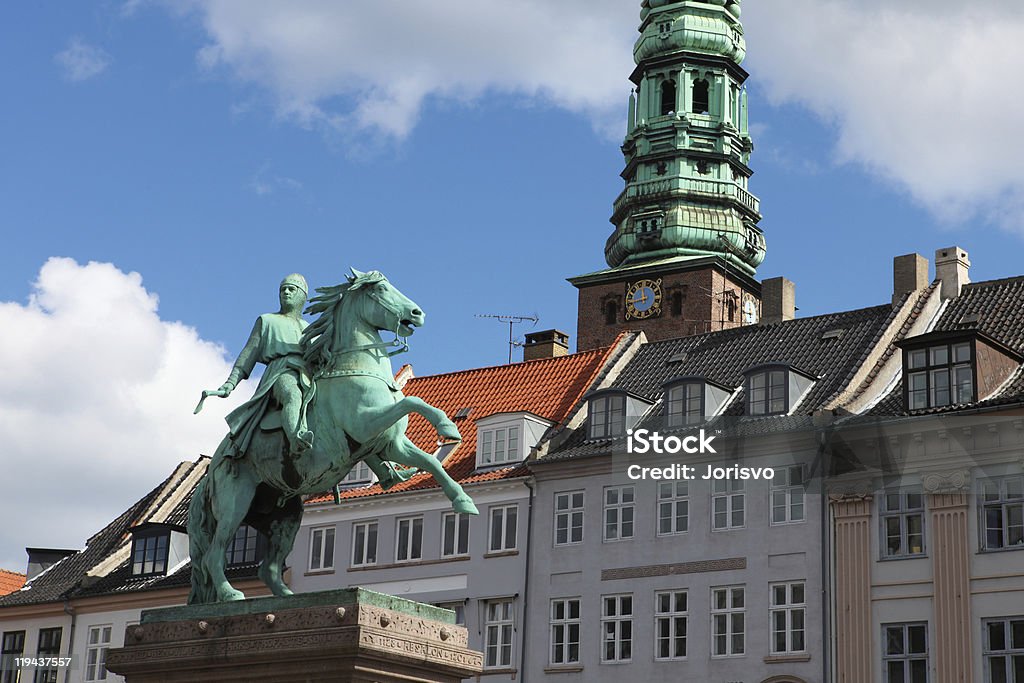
(382, 306)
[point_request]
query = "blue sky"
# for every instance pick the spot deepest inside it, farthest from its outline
(212, 146)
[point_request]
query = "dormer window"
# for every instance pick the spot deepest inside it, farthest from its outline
(157, 547)
(775, 389)
(939, 375)
(950, 368)
(359, 475)
(691, 400)
(612, 412)
(507, 438)
(247, 547)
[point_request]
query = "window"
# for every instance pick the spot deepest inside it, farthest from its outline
(611, 312)
(409, 541)
(673, 507)
(459, 608)
(670, 625)
(149, 554)
(1003, 504)
(498, 635)
(684, 404)
(902, 516)
(668, 97)
(13, 647)
(503, 528)
(49, 646)
(905, 653)
(675, 299)
(96, 653)
(939, 375)
(607, 416)
(787, 493)
(727, 504)
(359, 474)
(364, 544)
(246, 547)
(1004, 650)
(500, 445)
(454, 534)
(565, 631)
(321, 548)
(788, 609)
(728, 624)
(618, 513)
(617, 628)
(766, 393)
(568, 517)
(701, 96)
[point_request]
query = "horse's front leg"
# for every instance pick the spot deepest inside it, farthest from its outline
(378, 420)
(404, 452)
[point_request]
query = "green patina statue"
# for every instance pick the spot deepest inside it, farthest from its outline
(327, 400)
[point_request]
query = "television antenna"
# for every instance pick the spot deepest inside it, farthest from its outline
(511, 320)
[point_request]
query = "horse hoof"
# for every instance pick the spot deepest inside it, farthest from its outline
(464, 505)
(448, 431)
(230, 595)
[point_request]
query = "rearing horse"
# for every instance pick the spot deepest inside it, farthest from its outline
(356, 412)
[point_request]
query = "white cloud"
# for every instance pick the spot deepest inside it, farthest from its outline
(920, 92)
(81, 61)
(370, 65)
(266, 182)
(96, 403)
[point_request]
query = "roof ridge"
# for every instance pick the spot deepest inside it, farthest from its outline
(8, 571)
(996, 281)
(536, 361)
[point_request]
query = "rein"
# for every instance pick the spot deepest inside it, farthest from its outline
(400, 344)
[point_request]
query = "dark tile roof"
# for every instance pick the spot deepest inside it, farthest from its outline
(993, 307)
(723, 357)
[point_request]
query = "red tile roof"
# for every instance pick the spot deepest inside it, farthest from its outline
(10, 581)
(549, 388)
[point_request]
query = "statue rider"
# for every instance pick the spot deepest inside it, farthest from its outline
(274, 341)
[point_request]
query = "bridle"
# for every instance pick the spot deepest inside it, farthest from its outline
(400, 344)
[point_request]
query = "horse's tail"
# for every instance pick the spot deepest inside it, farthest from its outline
(200, 531)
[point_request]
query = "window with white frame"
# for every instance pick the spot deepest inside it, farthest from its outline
(768, 392)
(684, 404)
(454, 534)
(905, 653)
(607, 416)
(504, 528)
(670, 625)
(13, 646)
(359, 474)
(364, 543)
(1003, 511)
(321, 548)
(728, 505)
(1004, 650)
(902, 514)
(617, 628)
(458, 607)
(568, 517)
(96, 652)
(565, 631)
(498, 634)
(500, 445)
(409, 539)
(788, 611)
(49, 647)
(787, 493)
(618, 512)
(673, 507)
(728, 621)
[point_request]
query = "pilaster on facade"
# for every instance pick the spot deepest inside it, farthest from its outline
(851, 515)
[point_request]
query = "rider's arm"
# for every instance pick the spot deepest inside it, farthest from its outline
(247, 358)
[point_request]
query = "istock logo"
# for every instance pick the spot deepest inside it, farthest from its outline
(645, 441)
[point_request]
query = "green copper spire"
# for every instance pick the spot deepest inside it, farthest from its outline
(687, 142)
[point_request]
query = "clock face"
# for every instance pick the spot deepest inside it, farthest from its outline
(643, 299)
(749, 312)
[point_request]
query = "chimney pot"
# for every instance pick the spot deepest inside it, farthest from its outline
(546, 344)
(952, 270)
(778, 300)
(909, 274)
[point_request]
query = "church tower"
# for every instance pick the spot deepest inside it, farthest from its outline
(686, 242)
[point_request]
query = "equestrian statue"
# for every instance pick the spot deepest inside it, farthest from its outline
(327, 400)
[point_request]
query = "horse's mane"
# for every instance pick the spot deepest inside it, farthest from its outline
(317, 339)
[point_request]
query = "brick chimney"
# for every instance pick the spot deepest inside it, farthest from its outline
(909, 274)
(952, 269)
(778, 300)
(546, 344)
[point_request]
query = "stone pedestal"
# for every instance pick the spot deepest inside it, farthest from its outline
(347, 635)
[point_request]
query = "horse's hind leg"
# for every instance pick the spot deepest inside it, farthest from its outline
(405, 452)
(281, 531)
(230, 498)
